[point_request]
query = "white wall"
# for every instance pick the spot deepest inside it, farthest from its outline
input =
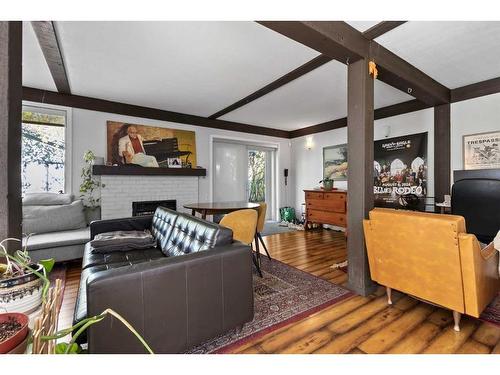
(89, 133)
(477, 115)
(308, 170)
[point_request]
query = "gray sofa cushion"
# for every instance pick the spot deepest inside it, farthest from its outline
(58, 239)
(123, 240)
(45, 219)
(46, 199)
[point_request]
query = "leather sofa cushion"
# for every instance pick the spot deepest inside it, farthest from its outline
(58, 239)
(163, 224)
(92, 259)
(191, 234)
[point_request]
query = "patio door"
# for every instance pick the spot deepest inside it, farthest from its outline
(244, 172)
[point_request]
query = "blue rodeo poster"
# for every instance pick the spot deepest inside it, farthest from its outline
(400, 171)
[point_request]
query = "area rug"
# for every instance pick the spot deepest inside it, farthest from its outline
(284, 295)
(491, 313)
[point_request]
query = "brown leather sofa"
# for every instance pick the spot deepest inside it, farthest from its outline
(431, 257)
(195, 285)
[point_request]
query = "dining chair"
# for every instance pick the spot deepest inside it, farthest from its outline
(243, 223)
(260, 227)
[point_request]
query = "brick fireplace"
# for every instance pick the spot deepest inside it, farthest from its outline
(120, 191)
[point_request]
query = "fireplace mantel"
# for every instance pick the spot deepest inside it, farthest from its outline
(131, 170)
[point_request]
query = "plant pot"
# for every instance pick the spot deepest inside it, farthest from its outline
(13, 343)
(23, 293)
(92, 214)
(328, 185)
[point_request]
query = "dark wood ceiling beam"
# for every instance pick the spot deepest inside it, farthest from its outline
(283, 80)
(100, 105)
(372, 33)
(51, 49)
(380, 113)
(344, 43)
(398, 73)
(381, 28)
(488, 87)
(335, 39)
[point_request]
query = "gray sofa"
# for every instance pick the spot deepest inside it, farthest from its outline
(57, 224)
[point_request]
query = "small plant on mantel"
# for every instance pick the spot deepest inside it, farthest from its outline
(90, 184)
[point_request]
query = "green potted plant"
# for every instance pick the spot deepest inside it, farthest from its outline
(327, 184)
(73, 347)
(89, 186)
(23, 283)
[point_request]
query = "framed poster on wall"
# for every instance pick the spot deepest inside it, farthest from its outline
(481, 151)
(335, 162)
(400, 169)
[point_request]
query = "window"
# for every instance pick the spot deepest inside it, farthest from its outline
(43, 149)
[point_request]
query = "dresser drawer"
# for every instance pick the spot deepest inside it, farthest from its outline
(338, 197)
(335, 205)
(312, 195)
(326, 217)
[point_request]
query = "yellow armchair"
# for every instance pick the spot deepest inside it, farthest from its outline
(431, 257)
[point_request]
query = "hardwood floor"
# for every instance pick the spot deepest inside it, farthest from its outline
(357, 325)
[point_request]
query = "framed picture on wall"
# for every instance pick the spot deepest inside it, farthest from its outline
(481, 151)
(335, 162)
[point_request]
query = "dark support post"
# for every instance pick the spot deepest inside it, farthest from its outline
(360, 176)
(442, 151)
(10, 128)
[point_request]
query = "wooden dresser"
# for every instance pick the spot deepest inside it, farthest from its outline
(326, 207)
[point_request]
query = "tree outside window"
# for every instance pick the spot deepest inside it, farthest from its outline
(43, 150)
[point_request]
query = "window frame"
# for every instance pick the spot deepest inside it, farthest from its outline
(68, 139)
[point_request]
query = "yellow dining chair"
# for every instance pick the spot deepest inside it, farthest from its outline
(260, 227)
(243, 223)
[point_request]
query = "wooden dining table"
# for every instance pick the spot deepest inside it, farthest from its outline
(216, 208)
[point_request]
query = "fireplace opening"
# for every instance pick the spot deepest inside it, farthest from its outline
(143, 208)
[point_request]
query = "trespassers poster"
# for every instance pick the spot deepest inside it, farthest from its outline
(400, 168)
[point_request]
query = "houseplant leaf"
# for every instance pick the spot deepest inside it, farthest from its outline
(48, 264)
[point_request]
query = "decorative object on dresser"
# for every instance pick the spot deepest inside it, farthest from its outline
(326, 207)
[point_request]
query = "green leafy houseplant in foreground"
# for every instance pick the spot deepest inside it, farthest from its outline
(20, 264)
(73, 348)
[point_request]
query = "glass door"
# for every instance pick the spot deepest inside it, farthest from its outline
(244, 172)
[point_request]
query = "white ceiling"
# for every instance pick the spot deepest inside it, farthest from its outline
(318, 96)
(35, 70)
(190, 67)
(453, 53)
(202, 67)
(362, 25)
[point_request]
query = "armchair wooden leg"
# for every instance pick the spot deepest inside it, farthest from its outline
(456, 319)
(389, 295)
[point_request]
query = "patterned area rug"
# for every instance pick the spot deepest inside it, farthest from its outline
(284, 295)
(492, 312)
